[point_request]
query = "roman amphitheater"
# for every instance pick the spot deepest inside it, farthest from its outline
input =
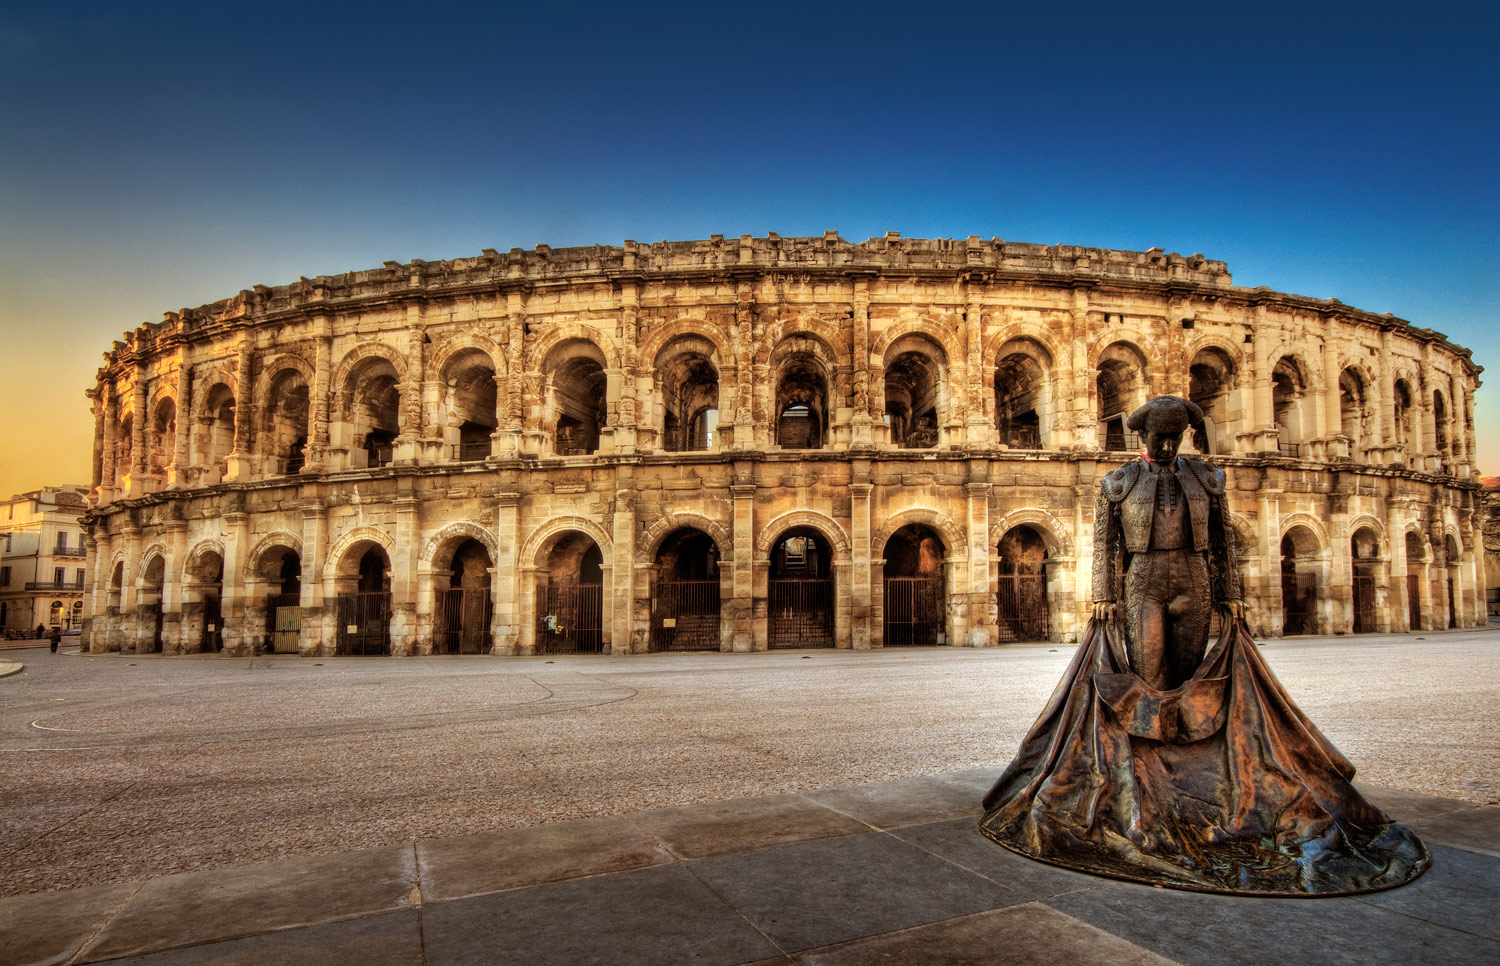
(750, 443)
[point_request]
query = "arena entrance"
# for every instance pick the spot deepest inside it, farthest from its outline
(1364, 547)
(364, 610)
(1022, 610)
(464, 609)
(1299, 582)
(685, 593)
(915, 592)
(570, 598)
(799, 594)
(204, 593)
(1414, 567)
(151, 604)
(284, 608)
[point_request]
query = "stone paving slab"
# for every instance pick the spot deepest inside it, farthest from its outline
(804, 878)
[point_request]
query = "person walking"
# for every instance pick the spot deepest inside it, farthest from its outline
(55, 637)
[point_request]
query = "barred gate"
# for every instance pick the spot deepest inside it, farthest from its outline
(213, 624)
(1413, 604)
(914, 612)
(799, 612)
(570, 619)
(1021, 608)
(685, 615)
(463, 621)
(364, 623)
(1364, 604)
(284, 622)
(1299, 602)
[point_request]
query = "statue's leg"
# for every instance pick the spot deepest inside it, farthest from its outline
(1146, 616)
(1189, 613)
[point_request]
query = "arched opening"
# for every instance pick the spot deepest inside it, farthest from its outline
(1415, 565)
(364, 601)
(76, 620)
(685, 593)
(284, 424)
(1440, 424)
(1210, 380)
(570, 597)
(1121, 387)
(801, 403)
(469, 412)
(150, 607)
(1299, 582)
(1020, 394)
(464, 608)
(124, 448)
(689, 395)
(203, 594)
(799, 592)
(163, 438)
(115, 598)
(1401, 409)
(1364, 548)
(1450, 577)
(55, 614)
(1288, 387)
(282, 569)
(1354, 412)
(216, 434)
(1022, 610)
(577, 397)
(914, 379)
(373, 412)
(915, 592)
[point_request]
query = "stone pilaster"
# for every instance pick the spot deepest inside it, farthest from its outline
(317, 445)
(506, 627)
(240, 463)
(976, 570)
(862, 611)
(314, 637)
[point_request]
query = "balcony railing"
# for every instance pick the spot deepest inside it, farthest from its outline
(74, 585)
(69, 552)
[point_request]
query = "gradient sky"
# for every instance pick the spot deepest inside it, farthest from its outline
(152, 160)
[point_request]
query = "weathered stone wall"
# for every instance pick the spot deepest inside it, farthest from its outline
(612, 396)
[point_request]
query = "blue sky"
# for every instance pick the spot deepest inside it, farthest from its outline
(160, 159)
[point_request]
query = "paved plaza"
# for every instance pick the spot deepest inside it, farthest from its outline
(704, 808)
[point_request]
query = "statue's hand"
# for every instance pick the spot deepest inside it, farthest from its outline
(1233, 609)
(1104, 610)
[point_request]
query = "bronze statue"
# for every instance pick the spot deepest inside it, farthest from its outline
(1156, 762)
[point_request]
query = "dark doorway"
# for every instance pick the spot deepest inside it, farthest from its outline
(463, 607)
(1021, 608)
(799, 594)
(1299, 591)
(364, 614)
(1363, 548)
(284, 608)
(915, 595)
(570, 603)
(685, 595)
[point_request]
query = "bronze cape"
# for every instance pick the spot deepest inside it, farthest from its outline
(1220, 785)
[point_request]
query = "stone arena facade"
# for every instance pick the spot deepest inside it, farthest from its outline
(746, 443)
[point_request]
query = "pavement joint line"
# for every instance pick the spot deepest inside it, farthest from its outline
(688, 866)
(114, 914)
(1369, 901)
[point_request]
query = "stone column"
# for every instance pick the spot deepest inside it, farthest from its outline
(405, 447)
(625, 425)
(178, 472)
(749, 634)
(861, 422)
(174, 630)
(317, 444)
(1457, 451)
(96, 617)
(744, 392)
(1385, 396)
(107, 458)
(1263, 436)
(129, 621)
(312, 638)
(1341, 584)
(980, 604)
(406, 635)
(622, 592)
(1337, 444)
(239, 461)
(1077, 379)
(505, 589)
(239, 638)
(515, 377)
(138, 435)
(978, 431)
(1269, 592)
(862, 612)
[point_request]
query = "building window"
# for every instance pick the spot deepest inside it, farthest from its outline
(62, 540)
(57, 575)
(79, 579)
(4, 576)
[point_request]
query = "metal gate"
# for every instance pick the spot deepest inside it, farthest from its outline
(799, 612)
(570, 619)
(685, 615)
(463, 621)
(284, 622)
(1452, 610)
(1413, 604)
(213, 624)
(1299, 601)
(1364, 604)
(914, 611)
(364, 623)
(1021, 608)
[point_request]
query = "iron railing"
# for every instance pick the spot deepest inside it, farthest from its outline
(284, 622)
(474, 450)
(75, 585)
(1021, 608)
(685, 615)
(799, 612)
(570, 619)
(1364, 604)
(213, 624)
(1413, 603)
(69, 552)
(364, 623)
(914, 611)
